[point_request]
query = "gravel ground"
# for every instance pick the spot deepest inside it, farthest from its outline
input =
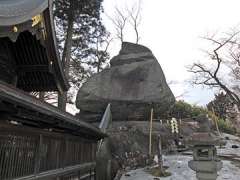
(178, 165)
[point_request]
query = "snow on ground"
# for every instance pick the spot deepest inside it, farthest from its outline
(178, 165)
(228, 150)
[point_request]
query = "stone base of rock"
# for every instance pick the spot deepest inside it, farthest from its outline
(129, 142)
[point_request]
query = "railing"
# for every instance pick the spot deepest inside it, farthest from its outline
(105, 123)
(103, 169)
(106, 119)
(29, 153)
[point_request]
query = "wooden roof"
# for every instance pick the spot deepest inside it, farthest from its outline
(15, 12)
(29, 61)
(27, 32)
(17, 105)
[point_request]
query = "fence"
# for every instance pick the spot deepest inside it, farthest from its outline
(103, 169)
(30, 153)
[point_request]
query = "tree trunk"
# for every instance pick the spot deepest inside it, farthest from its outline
(98, 57)
(136, 31)
(62, 97)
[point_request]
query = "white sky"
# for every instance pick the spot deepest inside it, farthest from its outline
(172, 30)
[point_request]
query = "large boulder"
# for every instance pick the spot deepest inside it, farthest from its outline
(134, 83)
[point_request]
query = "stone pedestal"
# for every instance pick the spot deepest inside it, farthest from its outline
(205, 170)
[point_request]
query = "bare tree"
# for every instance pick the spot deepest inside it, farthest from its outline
(183, 94)
(225, 54)
(122, 17)
(180, 95)
(135, 18)
(234, 64)
(119, 20)
(101, 54)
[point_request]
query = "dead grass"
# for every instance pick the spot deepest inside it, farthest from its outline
(154, 171)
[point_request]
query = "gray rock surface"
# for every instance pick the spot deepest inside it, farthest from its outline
(133, 84)
(129, 142)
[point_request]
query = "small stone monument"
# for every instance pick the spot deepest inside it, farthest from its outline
(205, 161)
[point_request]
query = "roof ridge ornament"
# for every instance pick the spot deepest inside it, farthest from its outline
(36, 20)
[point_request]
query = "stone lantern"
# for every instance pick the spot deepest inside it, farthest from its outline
(205, 161)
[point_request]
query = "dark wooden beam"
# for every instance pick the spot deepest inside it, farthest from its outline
(32, 104)
(6, 107)
(35, 116)
(32, 68)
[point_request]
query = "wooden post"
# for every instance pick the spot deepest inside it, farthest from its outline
(160, 160)
(109, 170)
(41, 95)
(150, 133)
(62, 99)
(38, 155)
(215, 121)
